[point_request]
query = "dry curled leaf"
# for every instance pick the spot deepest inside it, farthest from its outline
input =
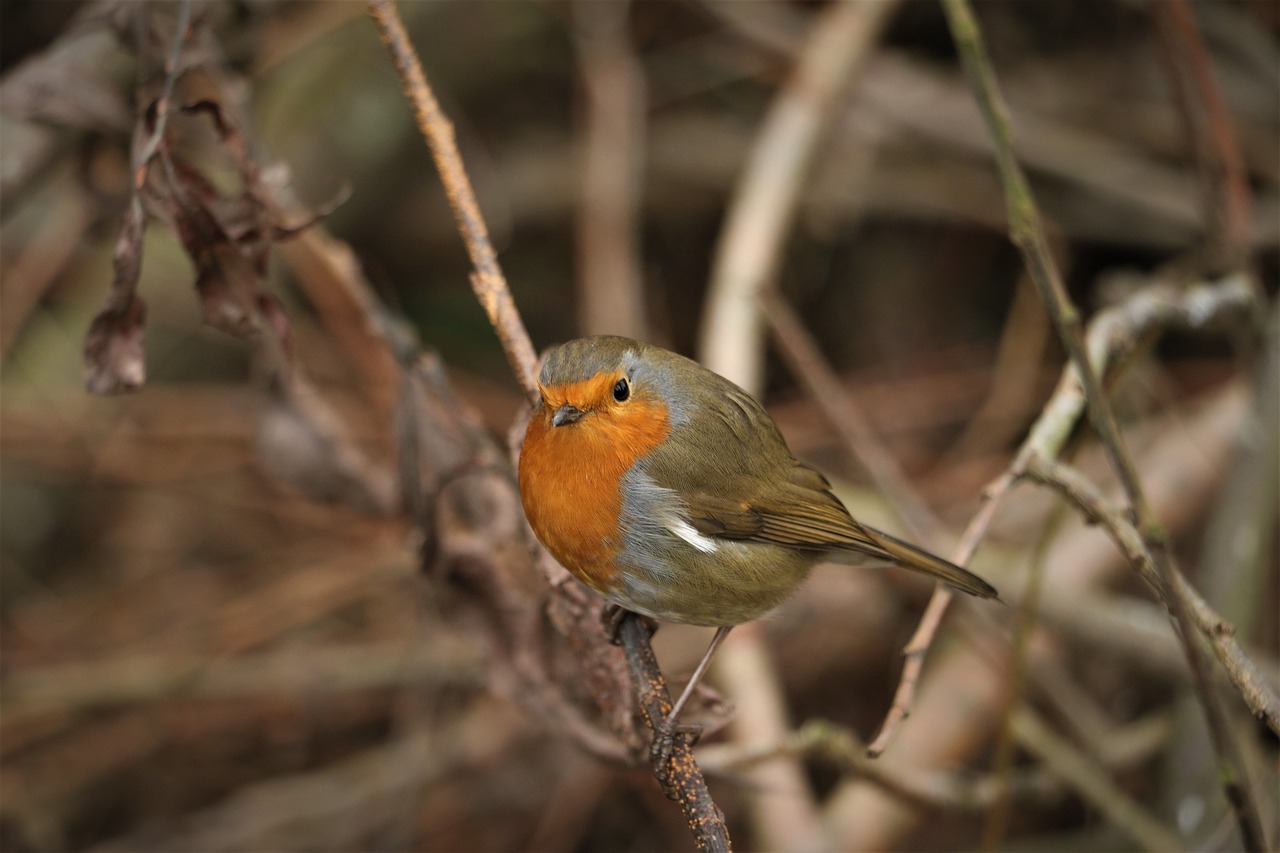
(114, 359)
(113, 351)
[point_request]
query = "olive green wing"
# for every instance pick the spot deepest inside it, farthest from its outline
(738, 479)
(806, 516)
(793, 507)
(746, 486)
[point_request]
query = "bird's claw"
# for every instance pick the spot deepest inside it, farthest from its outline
(611, 616)
(665, 735)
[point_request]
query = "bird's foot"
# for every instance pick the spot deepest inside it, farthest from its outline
(665, 736)
(611, 617)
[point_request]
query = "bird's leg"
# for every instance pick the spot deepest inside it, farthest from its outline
(611, 616)
(664, 734)
(721, 633)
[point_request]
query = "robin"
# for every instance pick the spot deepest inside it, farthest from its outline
(667, 489)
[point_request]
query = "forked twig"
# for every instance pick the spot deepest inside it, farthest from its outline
(1240, 669)
(1027, 233)
(918, 646)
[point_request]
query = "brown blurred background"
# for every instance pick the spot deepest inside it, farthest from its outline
(204, 649)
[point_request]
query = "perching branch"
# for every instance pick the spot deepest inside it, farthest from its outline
(679, 773)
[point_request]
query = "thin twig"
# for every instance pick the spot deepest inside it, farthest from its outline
(1064, 759)
(1027, 233)
(1112, 337)
(918, 646)
(802, 354)
(1222, 163)
(487, 279)
(1243, 672)
(161, 105)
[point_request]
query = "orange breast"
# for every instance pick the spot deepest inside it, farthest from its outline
(570, 483)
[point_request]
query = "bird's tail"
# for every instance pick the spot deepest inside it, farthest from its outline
(917, 559)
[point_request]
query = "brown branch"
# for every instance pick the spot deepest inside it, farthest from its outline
(677, 772)
(803, 356)
(1244, 674)
(1071, 764)
(487, 279)
(1112, 338)
(1027, 233)
(1217, 147)
(612, 130)
(918, 646)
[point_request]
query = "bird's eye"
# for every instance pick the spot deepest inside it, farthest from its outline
(621, 391)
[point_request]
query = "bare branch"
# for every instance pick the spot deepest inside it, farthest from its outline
(1027, 232)
(678, 773)
(487, 280)
(1243, 672)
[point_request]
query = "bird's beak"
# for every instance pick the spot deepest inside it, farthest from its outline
(566, 414)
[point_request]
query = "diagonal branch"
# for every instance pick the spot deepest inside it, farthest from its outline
(799, 350)
(1258, 694)
(487, 279)
(679, 773)
(1027, 233)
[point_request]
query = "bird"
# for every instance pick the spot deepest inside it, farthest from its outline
(670, 491)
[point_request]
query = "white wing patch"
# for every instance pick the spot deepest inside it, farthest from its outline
(685, 531)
